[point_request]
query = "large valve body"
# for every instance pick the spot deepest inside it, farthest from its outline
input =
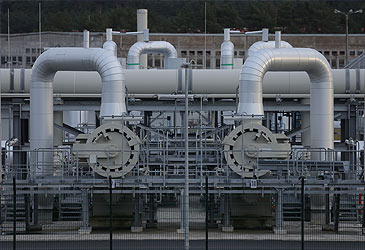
(111, 150)
(250, 142)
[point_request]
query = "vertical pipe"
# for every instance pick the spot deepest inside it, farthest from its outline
(302, 213)
(205, 35)
(1, 136)
(141, 25)
(86, 43)
(227, 35)
(265, 35)
(109, 34)
(9, 55)
(347, 38)
(40, 27)
(227, 51)
(277, 39)
(110, 214)
(186, 197)
(14, 213)
(206, 211)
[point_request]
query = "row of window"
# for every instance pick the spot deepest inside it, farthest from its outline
(18, 59)
(341, 52)
(185, 53)
(34, 50)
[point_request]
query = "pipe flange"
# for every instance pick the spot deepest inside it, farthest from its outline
(241, 148)
(117, 150)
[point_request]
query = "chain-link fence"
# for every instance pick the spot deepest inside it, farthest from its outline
(299, 216)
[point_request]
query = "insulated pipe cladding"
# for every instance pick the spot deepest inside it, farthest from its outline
(153, 47)
(295, 84)
(109, 44)
(227, 51)
(41, 91)
(321, 87)
(266, 45)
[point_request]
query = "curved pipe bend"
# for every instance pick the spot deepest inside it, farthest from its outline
(282, 59)
(266, 45)
(71, 59)
(153, 47)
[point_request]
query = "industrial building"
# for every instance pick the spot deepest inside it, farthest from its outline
(159, 117)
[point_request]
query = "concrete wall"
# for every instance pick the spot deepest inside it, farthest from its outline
(25, 47)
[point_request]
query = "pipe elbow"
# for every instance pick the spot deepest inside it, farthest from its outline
(266, 45)
(154, 47)
(111, 46)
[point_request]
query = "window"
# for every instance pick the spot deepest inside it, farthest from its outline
(334, 63)
(218, 63)
(34, 50)
(320, 51)
(34, 58)
(334, 53)
(242, 53)
(183, 53)
(20, 59)
(235, 53)
(27, 50)
(341, 63)
(326, 53)
(217, 53)
(200, 53)
(3, 60)
(200, 62)
(14, 59)
(207, 63)
(191, 53)
(150, 63)
(359, 52)
(208, 53)
(342, 53)
(28, 59)
(352, 53)
(157, 62)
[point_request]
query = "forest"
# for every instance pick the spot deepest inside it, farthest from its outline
(169, 16)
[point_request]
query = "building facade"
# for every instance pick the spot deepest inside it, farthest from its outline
(21, 50)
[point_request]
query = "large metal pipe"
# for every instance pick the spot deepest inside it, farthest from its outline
(321, 87)
(142, 22)
(153, 47)
(346, 81)
(86, 43)
(41, 90)
(109, 44)
(266, 45)
(227, 51)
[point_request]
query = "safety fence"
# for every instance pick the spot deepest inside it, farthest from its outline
(297, 216)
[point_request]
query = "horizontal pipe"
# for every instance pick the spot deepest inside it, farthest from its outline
(204, 82)
(151, 96)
